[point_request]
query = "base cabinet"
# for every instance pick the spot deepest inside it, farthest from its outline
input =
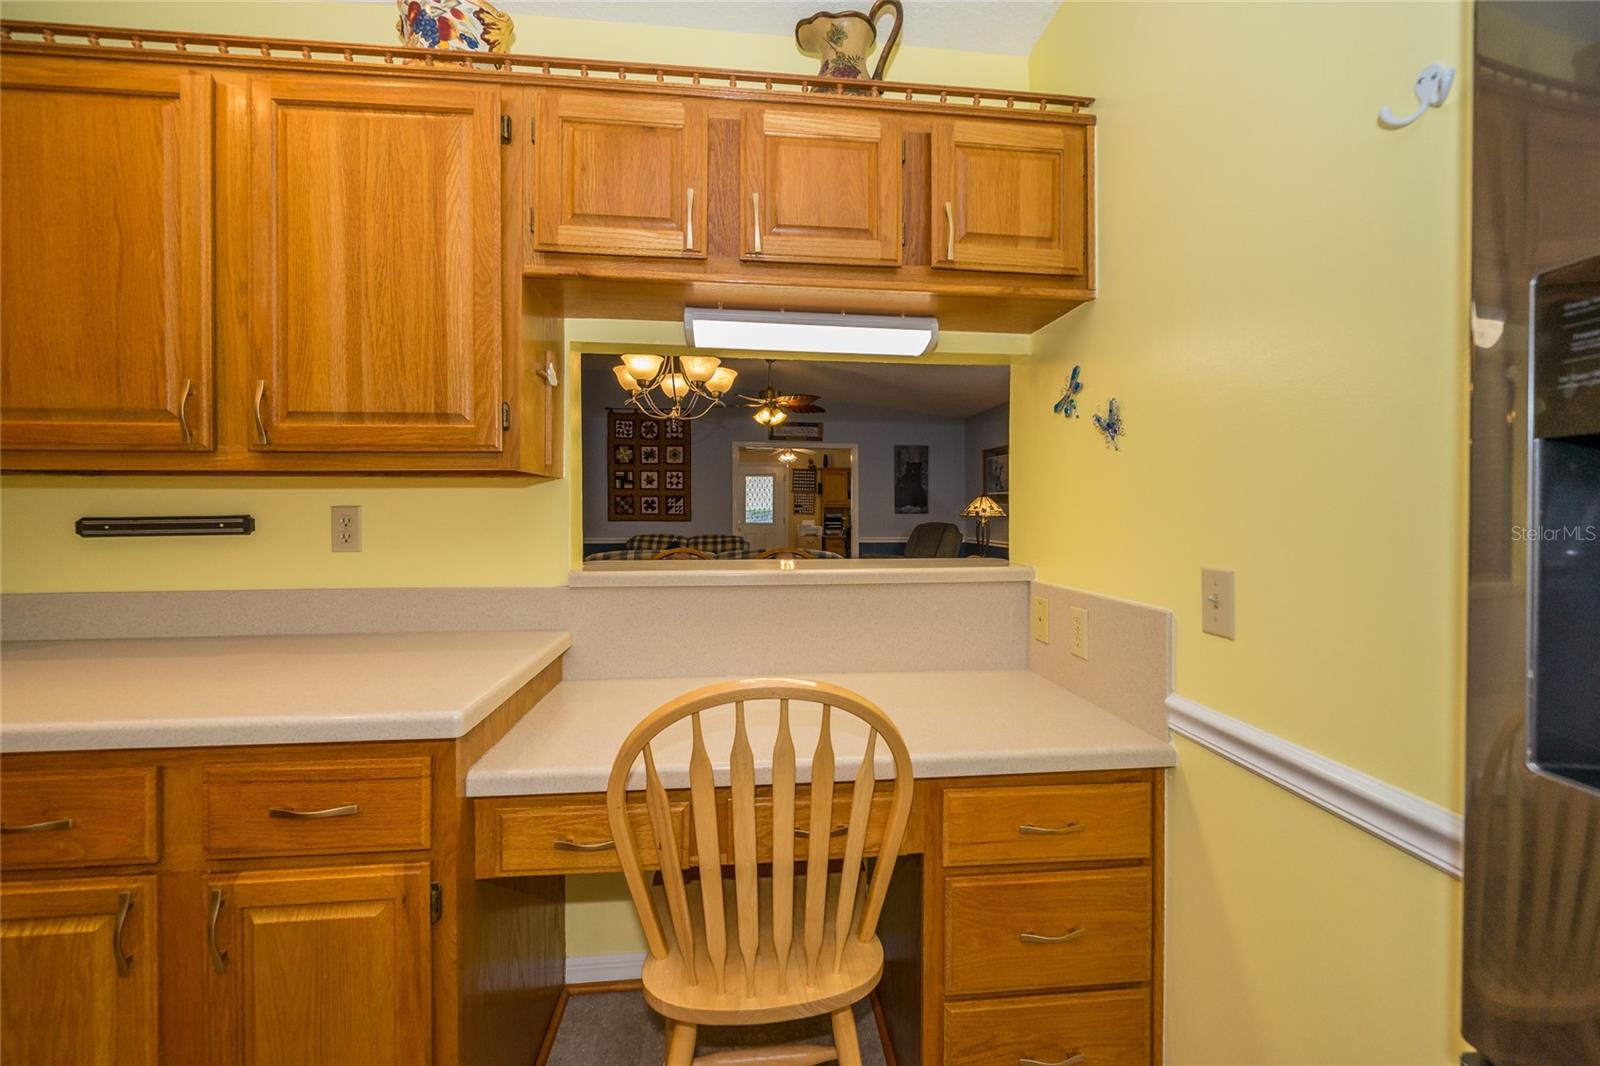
(78, 969)
(325, 965)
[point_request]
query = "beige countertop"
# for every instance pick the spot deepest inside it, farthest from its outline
(103, 694)
(955, 723)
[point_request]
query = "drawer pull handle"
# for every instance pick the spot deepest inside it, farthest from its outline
(124, 960)
(39, 827)
(1050, 830)
(1035, 938)
(327, 812)
(836, 831)
(564, 844)
(1072, 1059)
(219, 958)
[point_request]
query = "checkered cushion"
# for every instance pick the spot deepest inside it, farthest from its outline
(654, 542)
(617, 555)
(717, 543)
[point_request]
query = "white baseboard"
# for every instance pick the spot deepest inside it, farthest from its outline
(1414, 825)
(588, 969)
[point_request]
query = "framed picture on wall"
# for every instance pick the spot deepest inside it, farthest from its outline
(649, 479)
(795, 431)
(910, 479)
(997, 471)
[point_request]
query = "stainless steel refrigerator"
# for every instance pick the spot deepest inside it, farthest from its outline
(1531, 966)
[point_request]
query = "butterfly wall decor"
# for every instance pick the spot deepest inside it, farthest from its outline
(1067, 406)
(1110, 426)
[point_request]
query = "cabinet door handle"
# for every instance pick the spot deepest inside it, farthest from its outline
(261, 427)
(1072, 1059)
(755, 220)
(1050, 830)
(949, 232)
(183, 410)
(1035, 938)
(39, 827)
(563, 844)
(688, 220)
(219, 957)
(327, 812)
(124, 960)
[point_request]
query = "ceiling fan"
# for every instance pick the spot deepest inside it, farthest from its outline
(772, 408)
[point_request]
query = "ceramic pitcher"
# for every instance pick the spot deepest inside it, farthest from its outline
(462, 25)
(843, 40)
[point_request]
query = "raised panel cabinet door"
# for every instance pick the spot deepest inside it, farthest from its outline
(319, 966)
(375, 266)
(1010, 196)
(78, 969)
(105, 276)
(620, 175)
(820, 188)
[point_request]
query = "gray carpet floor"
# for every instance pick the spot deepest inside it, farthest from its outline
(619, 1029)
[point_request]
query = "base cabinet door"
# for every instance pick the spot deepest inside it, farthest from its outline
(320, 966)
(105, 193)
(621, 175)
(820, 188)
(375, 266)
(78, 970)
(1010, 197)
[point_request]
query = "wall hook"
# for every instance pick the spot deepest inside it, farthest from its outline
(1431, 87)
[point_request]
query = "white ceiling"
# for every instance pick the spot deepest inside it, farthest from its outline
(1004, 27)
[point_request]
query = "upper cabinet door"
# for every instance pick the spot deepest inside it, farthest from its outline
(375, 266)
(105, 203)
(621, 174)
(820, 188)
(1010, 196)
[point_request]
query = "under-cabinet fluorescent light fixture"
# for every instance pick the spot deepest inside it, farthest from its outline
(809, 331)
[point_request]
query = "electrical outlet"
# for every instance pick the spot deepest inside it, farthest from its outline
(347, 529)
(1216, 602)
(1041, 620)
(1080, 632)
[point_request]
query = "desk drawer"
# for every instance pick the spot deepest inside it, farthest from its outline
(1053, 823)
(1107, 1028)
(1015, 932)
(843, 794)
(566, 838)
(352, 806)
(81, 818)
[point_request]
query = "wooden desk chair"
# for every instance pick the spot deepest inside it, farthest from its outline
(779, 962)
(682, 553)
(785, 553)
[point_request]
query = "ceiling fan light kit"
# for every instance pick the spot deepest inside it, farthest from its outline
(809, 331)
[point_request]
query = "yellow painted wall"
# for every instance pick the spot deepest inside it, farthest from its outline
(1282, 318)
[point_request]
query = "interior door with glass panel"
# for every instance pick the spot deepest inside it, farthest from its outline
(761, 504)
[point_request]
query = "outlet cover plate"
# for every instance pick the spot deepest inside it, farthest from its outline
(1216, 602)
(1041, 619)
(346, 529)
(1080, 632)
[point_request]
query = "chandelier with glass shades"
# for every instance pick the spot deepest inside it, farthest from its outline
(674, 387)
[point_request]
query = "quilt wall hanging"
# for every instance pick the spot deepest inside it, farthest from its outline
(649, 471)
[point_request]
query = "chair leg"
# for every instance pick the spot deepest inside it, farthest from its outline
(680, 1043)
(844, 1037)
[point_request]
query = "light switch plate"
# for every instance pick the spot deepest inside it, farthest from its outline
(1080, 632)
(347, 529)
(1216, 602)
(1041, 619)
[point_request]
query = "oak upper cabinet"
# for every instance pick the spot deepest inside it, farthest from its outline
(620, 174)
(375, 272)
(78, 965)
(1010, 196)
(820, 187)
(105, 275)
(319, 966)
